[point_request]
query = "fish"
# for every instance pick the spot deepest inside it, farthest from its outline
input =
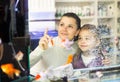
(10, 70)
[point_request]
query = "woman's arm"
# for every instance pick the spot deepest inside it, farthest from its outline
(35, 56)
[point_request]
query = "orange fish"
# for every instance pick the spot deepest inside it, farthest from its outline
(10, 70)
(69, 60)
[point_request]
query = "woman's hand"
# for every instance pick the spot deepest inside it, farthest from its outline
(43, 43)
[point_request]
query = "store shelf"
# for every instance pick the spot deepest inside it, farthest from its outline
(107, 1)
(74, 1)
(106, 17)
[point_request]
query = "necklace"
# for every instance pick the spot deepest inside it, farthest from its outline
(1, 51)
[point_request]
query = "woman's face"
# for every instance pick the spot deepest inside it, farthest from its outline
(67, 28)
(87, 40)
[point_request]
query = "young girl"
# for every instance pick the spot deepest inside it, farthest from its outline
(89, 43)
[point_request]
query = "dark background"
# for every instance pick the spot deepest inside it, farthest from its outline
(13, 29)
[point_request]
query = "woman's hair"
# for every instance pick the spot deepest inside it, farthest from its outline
(92, 28)
(73, 15)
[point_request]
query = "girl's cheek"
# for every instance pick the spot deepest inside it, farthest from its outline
(79, 42)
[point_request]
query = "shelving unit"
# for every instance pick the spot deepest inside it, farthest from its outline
(118, 16)
(85, 9)
(105, 14)
(90, 11)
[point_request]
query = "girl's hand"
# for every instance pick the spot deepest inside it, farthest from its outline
(106, 61)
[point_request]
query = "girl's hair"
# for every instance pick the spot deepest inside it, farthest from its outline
(92, 28)
(73, 15)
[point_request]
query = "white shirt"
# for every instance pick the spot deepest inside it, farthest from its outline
(40, 60)
(87, 59)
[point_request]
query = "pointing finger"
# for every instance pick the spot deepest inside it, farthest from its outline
(46, 31)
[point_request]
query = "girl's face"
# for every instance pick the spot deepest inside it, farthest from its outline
(87, 40)
(67, 28)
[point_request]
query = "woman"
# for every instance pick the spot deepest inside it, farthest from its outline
(68, 29)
